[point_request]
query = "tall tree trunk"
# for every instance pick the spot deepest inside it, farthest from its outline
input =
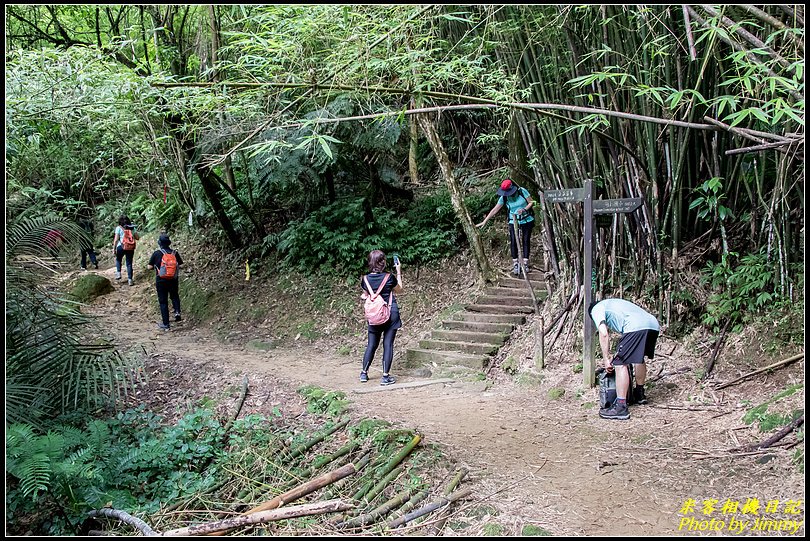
(227, 166)
(456, 196)
(413, 166)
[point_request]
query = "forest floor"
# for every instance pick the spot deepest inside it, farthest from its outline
(537, 452)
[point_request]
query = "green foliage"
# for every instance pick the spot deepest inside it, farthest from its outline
(710, 196)
(338, 237)
(492, 530)
(740, 292)
(532, 530)
(365, 428)
(509, 365)
(132, 461)
(329, 403)
(769, 421)
(53, 362)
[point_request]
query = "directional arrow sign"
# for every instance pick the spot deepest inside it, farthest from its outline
(565, 196)
(615, 206)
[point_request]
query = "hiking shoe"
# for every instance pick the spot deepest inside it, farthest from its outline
(96, 266)
(117, 275)
(639, 396)
(387, 380)
(363, 377)
(516, 270)
(177, 316)
(615, 412)
(163, 327)
(83, 268)
(130, 282)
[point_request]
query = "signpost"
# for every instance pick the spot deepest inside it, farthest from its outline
(592, 208)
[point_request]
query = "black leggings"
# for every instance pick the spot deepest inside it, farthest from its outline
(526, 234)
(388, 349)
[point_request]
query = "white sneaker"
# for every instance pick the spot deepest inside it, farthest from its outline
(130, 282)
(117, 275)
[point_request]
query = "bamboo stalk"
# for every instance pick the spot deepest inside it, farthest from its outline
(213, 528)
(429, 508)
(437, 526)
(318, 439)
(368, 518)
(779, 364)
(382, 483)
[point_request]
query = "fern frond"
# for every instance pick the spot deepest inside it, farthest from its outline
(34, 474)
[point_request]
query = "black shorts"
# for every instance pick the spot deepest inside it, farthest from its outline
(633, 346)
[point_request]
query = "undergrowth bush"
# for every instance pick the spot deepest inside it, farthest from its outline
(130, 461)
(338, 237)
(741, 291)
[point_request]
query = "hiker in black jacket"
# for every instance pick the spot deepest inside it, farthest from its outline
(166, 263)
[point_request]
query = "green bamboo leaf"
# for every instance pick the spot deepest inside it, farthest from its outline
(325, 147)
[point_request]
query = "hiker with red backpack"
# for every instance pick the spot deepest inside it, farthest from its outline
(124, 241)
(382, 313)
(166, 264)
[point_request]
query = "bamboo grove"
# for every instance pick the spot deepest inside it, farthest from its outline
(699, 109)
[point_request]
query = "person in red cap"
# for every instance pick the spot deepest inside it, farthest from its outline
(519, 204)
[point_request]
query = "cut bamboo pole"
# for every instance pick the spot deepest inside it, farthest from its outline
(429, 508)
(317, 508)
(318, 439)
(415, 500)
(368, 518)
(302, 490)
(769, 367)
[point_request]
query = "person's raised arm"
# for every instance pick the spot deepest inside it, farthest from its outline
(498, 206)
(399, 289)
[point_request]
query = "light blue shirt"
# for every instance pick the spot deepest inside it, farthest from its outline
(623, 316)
(517, 201)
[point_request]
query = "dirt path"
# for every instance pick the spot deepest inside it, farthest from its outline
(553, 463)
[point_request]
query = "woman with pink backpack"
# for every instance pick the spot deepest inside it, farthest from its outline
(378, 290)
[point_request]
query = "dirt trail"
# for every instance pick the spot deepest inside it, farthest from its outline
(553, 463)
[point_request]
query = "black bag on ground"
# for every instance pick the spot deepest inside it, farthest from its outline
(607, 386)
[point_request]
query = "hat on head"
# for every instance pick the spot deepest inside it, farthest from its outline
(507, 188)
(164, 241)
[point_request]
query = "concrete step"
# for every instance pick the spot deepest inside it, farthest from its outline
(419, 357)
(479, 326)
(520, 283)
(509, 301)
(461, 347)
(515, 292)
(499, 309)
(469, 336)
(478, 317)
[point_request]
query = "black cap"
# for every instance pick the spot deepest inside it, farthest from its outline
(164, 241)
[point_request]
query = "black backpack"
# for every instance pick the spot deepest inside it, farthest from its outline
(607, 386)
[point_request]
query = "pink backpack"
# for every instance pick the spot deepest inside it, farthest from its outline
(377, 310)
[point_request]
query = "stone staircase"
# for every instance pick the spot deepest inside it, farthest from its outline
(471, 337)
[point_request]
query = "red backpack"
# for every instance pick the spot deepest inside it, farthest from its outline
(128, 242)
(376, 309)
(168, 265)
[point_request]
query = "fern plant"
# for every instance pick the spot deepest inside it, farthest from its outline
(52, 365)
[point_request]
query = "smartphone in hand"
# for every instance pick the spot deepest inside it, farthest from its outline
(396, 260)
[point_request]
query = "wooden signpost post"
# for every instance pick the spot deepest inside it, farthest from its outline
(591, 208)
